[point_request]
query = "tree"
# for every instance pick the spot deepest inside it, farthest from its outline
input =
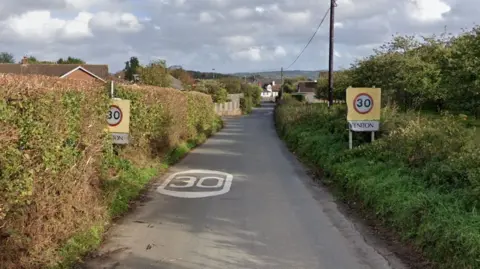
(232, 84)
(184, 76)
(252, 93)
(70, 60)
(131, 68)
(213, 88)
(288, 85)
(155, 74)
(6, 58)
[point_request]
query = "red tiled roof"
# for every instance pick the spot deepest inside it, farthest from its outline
(53, 70)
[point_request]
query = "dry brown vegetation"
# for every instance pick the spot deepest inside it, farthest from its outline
(59, 174)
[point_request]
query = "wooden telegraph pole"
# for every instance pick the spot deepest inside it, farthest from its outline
(331, 53)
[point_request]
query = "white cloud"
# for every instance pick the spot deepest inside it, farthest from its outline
(427, 10)
(119, 22)
(239, 41)
(241, 13)
(280, 51)
(299, 18)
(41, 26)
(231, 35)
(206, 17)
(251, 54)
(259, 9)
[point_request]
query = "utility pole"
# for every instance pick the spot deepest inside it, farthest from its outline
(331, 53)
(281, 82)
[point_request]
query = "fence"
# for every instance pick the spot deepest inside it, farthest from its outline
(231, 108)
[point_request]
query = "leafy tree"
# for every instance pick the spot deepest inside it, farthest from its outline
(6, 58)
(155, 74)
(289, 85)
(131, 68)
(252, 94)
(70, 60)
(433, 72)
(232, 84)
(184, 76)
(214, 88)
(342, 80)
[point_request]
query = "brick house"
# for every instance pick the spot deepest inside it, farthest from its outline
(308, 89)
(306, 86)
(71, 71)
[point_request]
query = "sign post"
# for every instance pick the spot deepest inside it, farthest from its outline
(363, 110)
(118, 119)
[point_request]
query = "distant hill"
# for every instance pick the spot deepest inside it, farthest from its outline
(311, 74)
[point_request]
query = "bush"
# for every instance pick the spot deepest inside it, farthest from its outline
(429, 73)
(213, 88)
(60, 179)
(155, 74)
(254, 93)
(421, 177)
(299, 97)
(246, 105)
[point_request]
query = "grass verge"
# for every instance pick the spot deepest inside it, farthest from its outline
(421, 179)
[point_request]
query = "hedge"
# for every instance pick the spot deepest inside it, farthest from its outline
(421, 178)
(61, 179)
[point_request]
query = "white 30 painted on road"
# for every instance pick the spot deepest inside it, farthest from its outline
(196, 179)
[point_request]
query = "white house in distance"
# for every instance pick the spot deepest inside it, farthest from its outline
(270, 89)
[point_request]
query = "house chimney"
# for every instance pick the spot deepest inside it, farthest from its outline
(273, 83)
(25, 60)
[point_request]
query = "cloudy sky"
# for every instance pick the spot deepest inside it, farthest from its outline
(228, 35)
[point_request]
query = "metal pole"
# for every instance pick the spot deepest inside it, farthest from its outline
(111, 90)
(331, 53)
(350, 139)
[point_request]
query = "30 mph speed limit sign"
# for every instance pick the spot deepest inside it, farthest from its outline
(118, 119)
(114, 116)
(363, 103)
(363, 109)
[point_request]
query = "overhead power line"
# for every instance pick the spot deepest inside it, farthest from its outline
(310, 41)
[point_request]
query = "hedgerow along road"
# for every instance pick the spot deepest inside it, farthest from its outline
(240, 200)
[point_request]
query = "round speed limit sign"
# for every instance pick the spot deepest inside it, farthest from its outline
(363, 103)
(114, 116)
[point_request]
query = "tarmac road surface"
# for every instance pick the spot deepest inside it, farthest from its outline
(241, 200)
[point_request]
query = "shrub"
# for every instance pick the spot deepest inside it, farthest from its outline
(430, 73)
(299, 97)
(213, 88)
(155, 74)
(253, 92)
(246, 105)
(60, 178)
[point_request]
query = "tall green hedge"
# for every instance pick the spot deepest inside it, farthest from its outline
(61, 179)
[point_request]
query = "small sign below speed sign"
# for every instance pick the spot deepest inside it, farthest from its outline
(363, 103)
(114, 116)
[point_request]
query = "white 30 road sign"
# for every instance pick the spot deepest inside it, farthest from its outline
(363, 103)
(196, 184)
(114, 116)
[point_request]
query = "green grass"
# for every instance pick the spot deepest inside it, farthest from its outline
(79, 245)
(426, 208)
